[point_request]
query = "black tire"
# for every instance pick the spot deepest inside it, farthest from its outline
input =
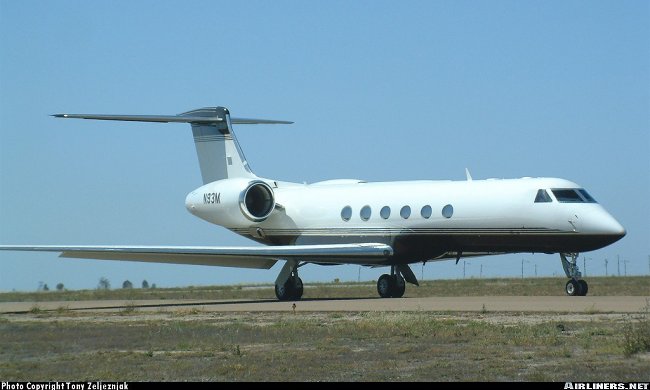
(292, 289)
(385, 286)
(584, 287)
(572, 288)
(298, 288)
(283, 293)
(399, 287)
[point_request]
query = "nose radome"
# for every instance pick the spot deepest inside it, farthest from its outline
(616, 229)
(609, 226)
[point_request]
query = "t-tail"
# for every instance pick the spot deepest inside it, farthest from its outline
(219, 153)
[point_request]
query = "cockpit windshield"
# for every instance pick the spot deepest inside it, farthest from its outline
(572, 195)
(585, 194)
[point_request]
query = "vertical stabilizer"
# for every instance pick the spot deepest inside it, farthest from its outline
(220, 156)
(219, 153)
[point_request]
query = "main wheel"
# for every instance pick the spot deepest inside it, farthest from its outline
(291, 290)
(297, 285)
(284, 292)
(584, 287)
(399, 286)
(385, 286)
(572, 287)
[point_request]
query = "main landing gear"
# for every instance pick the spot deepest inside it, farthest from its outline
(394, 285)
(391, 286)
(291, 290)
(576, 286)
(288, 285)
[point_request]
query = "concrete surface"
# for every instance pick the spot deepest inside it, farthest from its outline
(560, 304)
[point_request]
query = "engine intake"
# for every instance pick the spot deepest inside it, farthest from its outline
(257, 201)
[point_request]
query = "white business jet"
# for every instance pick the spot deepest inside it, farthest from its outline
(390, 224)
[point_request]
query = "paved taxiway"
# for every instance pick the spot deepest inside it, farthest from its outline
(559, 304)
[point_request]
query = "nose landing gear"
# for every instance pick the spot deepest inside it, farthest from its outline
(576, 286)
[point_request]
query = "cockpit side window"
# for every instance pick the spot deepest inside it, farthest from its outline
(542, 197)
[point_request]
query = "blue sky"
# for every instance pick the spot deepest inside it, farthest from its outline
(378, 90)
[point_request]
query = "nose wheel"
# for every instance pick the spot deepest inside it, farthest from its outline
(576, 287)
(584, 287)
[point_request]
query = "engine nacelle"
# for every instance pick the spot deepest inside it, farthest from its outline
(232, 202)
(257, 201)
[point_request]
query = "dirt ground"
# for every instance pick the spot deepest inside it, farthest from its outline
(192, 343)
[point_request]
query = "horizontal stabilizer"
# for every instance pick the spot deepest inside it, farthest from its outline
(250, 121)
(172, 119)
(244, 257)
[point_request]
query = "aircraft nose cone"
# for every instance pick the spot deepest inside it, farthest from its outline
(617, 230)
(611, 228)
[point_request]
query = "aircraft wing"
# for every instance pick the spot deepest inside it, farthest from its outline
(263, 257)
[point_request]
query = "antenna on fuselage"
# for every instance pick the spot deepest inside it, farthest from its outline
(467, 174)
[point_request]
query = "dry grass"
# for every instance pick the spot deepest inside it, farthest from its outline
(193, 344)
(309, 347)
(631, 285)
(636, 333)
